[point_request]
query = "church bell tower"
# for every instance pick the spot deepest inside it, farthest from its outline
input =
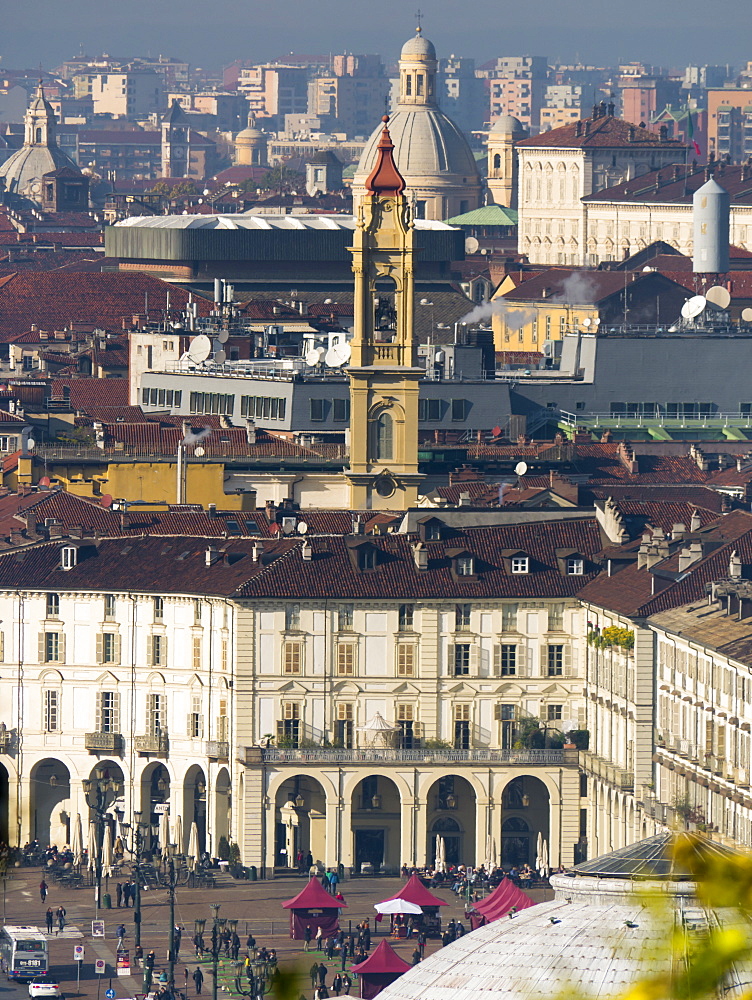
(384, 375)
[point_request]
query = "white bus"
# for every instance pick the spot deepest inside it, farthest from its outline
(23, 952)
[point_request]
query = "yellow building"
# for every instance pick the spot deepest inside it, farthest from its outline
(533, 313)
(384, 374)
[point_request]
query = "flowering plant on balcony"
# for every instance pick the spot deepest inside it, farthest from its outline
(612, 635)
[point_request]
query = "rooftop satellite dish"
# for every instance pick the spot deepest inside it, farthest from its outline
(338, 355)
(312, 357)
(106, 500)
(471, 245)
(199, 451)
(719, 296)
(199, 349)
(587, 321)
(302, 527)
(747, 315)
(496, 431)
(30, 444)
(274, 529)
(224, 336)
(521, 468)
(597, 321)
(220, 357)
(693, 307)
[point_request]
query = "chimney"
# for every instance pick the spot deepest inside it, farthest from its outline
(358, 528)
(578, 129)
(306, 551)
(211, 555)
(258, 550)
(271, 509)
(31, 524)
(420, 555)
(465, 500)
(250, 432)
(735, 566)
(685, 560)
(699, 456)
(55, 531)
(631, 134)
(16, 536)
(125, 521)
(695, 524)
(678, 531)
(663, 133)
(211, 510)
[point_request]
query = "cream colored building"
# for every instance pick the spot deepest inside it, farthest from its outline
(431, 152)
(557, 169)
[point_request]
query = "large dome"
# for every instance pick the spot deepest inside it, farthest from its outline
(418, 46)
(24, 170)
(426, 143)
(596, 937)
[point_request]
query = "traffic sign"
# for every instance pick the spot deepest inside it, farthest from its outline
(97, 928)
(99, 966)
(110, 994)
(78, 953)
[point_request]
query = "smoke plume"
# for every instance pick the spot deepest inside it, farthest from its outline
(514, 318)
(196, 437)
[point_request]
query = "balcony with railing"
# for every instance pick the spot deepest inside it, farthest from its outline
(218, 749)
(7, 739)
(152, 744)
(103, 742)
(384, 755)
(619, 777)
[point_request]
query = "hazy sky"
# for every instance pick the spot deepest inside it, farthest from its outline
(665, 32)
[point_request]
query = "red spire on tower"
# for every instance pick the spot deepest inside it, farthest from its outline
(385, 179)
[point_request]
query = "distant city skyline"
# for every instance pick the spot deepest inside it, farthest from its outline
(672, 33)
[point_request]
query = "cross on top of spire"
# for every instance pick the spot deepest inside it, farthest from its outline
(419, 18)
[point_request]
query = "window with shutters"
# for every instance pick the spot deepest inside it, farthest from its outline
(292, 617)
(344, 726)
(520, 564)
(345, 659)
(68, 557)
(225, 653)
(197, 609)
(553, 712)
(197, 658)
(506, 714)
(158, 609)
(109, 607)
(288, 728)
(462, 614)
(292, 657)
(51, 720)
(157, 650)
(108, 648)
(156, 714)
(2, 647)
(223, 722)
(52, 647)
(406, 655)
(461, 659)
(406, 722)
(462, 727)
(555, 658)
(406, 617)
(556, 618)
(508, 660)
(195, 718)
(345, 618)
(108, 712)
(465, 566)
(53, 605)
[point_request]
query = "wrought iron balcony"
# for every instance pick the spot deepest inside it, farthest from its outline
(155, 744)
(7, 739)
(108, 742)
(371, 755)
(219, 749)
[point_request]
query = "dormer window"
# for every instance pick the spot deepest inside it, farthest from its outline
(367, 558)
(433, 531)
(465, 566)
(520, 565)
(575, 566)
(68, 557)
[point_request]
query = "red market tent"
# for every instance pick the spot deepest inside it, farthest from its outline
(415, 892)
(505, 897)
(380, 970)
(314, 907)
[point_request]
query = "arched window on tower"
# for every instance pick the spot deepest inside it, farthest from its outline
(384, 436)
(419, 85)
(408, 85)
(497, 161)
(38, 135)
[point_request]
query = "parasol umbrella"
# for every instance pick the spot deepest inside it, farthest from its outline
(179, 833)
(193, 848)
(107, 852)
(489, 849)
(494, 853)
(93, 852)
(77, 840)
(538, 850)
(544, 860)
(397, 906)
(442, 853)
(164, 832)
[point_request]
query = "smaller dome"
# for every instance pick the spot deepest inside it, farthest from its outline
(250, 131)
(507, 125)
(418, 46)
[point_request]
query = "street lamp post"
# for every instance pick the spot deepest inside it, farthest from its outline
(135, 849)
(96, 791)
(215, 946)
(171, 877)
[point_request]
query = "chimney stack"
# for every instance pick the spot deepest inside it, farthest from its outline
(420, 555)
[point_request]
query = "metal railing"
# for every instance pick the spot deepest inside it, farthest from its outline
(219, 749)
(374, 755)
(158, 744)
(112, 742)
(659, 418)
(313, 452)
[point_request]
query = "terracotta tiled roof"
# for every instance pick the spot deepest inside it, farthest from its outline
(574, 286)
(606, 132)
(670, 185)
(86, 392)
(85, 300)
(694, 496)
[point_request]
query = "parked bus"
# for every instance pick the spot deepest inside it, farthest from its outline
(23, 952)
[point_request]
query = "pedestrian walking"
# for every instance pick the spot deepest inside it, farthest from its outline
(177, 938)
(119, 894)
(309, 860)
(251, 944)
(150, 960)
(329, 951)
(307, 937)
(121, 937)
(60, 918)
(346, 983)
(322, 974)
(333, 880)
(314, 974)
(49, 917)
(126, 894)
(337, 985)
(344, 952)
(318, 939)
(43, 890)
(367, 937)
(417, 956)
(198, 980)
